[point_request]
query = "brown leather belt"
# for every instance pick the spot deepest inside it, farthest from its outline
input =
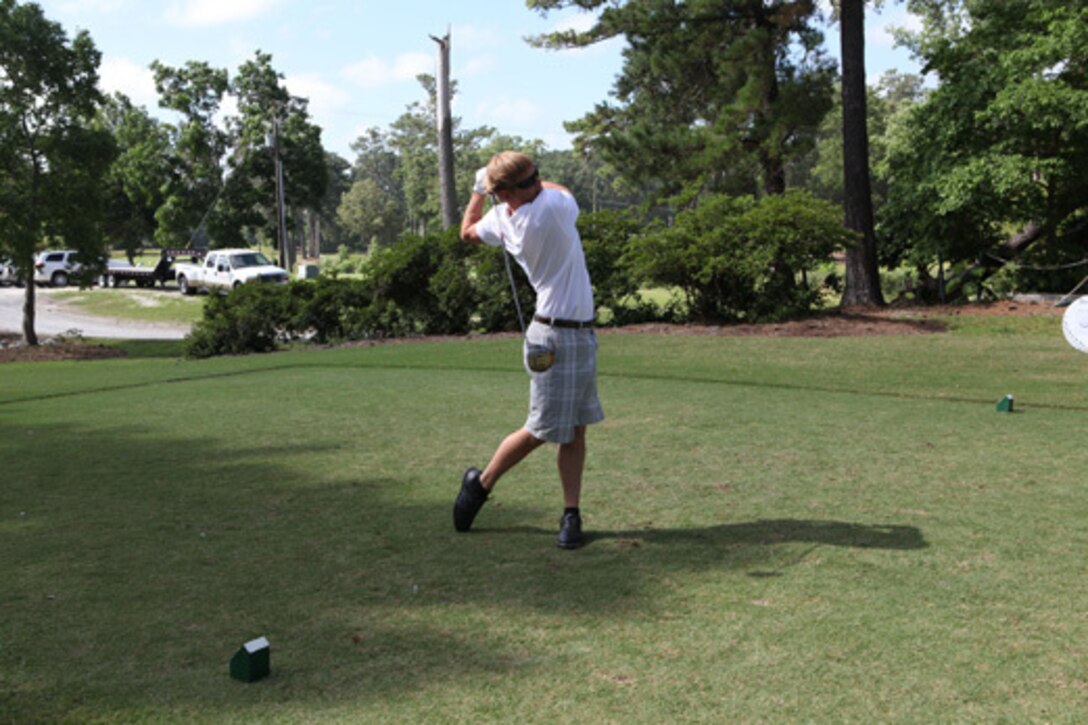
(556, 322)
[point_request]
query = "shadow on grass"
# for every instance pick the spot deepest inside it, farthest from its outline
(148, 349)
(139, 560)
(767, 532)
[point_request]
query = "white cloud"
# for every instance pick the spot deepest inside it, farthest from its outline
(479, 65)
(324, 97)
(124, 76)
(197, 13)
(471, 38)
(502, 112)
(375, 72)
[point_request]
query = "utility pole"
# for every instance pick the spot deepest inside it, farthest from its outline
(445, 134)
(281, 210)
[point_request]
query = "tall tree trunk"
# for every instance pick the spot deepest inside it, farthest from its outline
(862, 273)
(445, 134)
(29, 334)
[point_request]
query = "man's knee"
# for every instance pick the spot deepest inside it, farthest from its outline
(579, 437)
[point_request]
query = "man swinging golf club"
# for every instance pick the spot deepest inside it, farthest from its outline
(534, 221)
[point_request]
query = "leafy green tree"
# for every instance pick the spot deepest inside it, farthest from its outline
(196, 92)
(133, 188)
(595, 184)
(52, 158)
(377, 165)
(370, 214)
(1002, 143)
(329, 230)
(402, 161)
(712, 93)
(821, 170)
(268, 113)
(413, 140)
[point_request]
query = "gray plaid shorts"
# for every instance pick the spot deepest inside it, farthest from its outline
(565, 395)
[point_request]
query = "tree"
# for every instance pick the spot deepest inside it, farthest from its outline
(993, 161)
(377, 162)
(370, 214)
(862, 273)
(134, 185)
(266, 111)
(413, 145)
(196, 180)
(444, 123)
(240, 203)
(711, 93)
(52, 159)
(329, 232)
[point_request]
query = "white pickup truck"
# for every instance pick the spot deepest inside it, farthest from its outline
(225, 269)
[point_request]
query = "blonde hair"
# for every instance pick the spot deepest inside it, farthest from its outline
(506, 168)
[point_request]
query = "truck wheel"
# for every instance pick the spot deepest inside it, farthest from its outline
(183, 285)
(60, 279)
(236, 285)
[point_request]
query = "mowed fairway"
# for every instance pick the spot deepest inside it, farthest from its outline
(780, 530)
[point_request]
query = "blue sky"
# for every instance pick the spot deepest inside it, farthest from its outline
(357, 61)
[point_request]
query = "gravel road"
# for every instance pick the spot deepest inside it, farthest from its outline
(53, 317)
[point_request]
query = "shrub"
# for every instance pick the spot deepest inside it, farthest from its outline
(330, 310)
(737, 258)
(249, 319)
(495, 310)
(606, 237)
(426, 278)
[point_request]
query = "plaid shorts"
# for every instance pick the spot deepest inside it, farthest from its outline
(565, 395)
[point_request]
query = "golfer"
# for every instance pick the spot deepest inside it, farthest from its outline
(535, 221)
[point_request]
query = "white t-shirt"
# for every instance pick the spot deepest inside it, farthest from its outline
(544, 240)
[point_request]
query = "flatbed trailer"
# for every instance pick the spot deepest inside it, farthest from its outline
(160, 274)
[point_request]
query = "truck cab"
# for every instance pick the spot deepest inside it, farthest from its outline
(226, 269)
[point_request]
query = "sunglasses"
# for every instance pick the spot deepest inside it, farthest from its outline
(529, 182)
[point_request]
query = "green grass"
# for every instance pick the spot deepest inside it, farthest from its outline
(783, 530)
(132, 303)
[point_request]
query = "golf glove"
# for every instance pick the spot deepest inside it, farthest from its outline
(481, 181)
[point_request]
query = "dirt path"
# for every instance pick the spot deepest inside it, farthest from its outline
(53, 317)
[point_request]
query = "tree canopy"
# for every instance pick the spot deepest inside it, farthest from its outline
(994, 158)
(52, 157)
(711, 93)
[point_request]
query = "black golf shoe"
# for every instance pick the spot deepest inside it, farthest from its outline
(570, 532)
(470, 499)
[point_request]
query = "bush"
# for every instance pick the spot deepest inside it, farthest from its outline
(346, 261)
(606, 236)
(427, 279)
(330, 310)
(249, 319)
(495, 310)
(736, 258)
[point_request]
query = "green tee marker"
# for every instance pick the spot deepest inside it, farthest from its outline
(1005, 404)
(252, 661)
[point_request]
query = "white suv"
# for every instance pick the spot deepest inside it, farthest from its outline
(54, 267)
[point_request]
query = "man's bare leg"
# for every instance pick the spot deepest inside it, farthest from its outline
(572, 461)
(513, 449)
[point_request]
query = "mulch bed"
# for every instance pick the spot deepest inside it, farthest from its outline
(833, 323)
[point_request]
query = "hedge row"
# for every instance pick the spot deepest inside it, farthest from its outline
(733, 258)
